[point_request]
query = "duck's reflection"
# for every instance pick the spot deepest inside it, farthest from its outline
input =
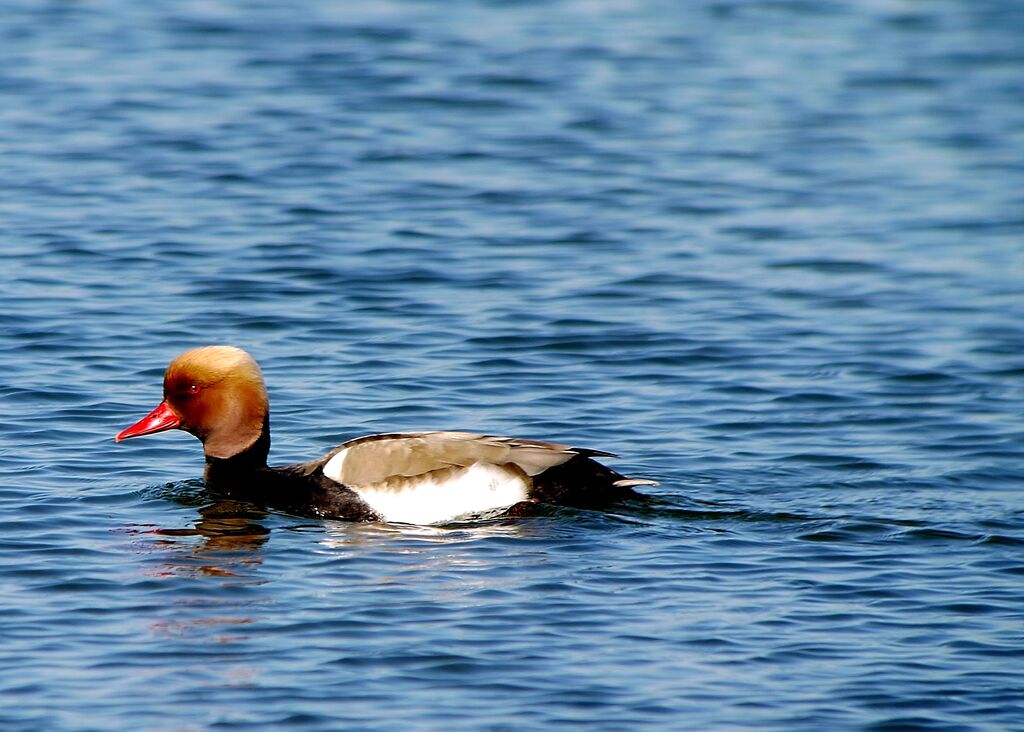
(229, 539)
(226, 526)
(402, 538)
(226, 543)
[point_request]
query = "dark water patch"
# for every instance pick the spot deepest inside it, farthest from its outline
(447, 103)
(924, 377)
(932, 535)
(834, 462)
(662, 280)
(895, 82)
(851, 532)
(831, 266)
(814, 398)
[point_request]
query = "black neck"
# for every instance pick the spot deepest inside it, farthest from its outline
(300, 489)
(250, 460)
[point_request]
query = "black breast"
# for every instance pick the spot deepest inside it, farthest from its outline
(301, 490)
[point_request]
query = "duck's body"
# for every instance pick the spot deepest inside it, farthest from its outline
(217, 394)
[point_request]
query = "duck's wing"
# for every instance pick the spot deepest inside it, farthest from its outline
(382, 459)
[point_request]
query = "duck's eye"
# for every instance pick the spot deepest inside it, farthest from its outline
(193, 388)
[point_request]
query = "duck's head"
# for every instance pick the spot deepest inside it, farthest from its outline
(215, 393)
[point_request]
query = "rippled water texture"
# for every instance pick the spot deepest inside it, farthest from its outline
(772, 253)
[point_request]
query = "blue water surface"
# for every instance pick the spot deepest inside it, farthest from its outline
(770, 252)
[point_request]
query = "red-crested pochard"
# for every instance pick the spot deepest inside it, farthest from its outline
(217, 394)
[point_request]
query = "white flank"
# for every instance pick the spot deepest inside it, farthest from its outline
(442, 497)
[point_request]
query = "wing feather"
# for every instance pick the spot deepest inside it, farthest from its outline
(379, 458)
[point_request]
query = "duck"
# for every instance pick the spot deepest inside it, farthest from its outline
(217, 394)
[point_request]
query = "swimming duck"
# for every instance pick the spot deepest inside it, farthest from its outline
(217, 394)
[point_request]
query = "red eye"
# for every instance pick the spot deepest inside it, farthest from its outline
(193, 388)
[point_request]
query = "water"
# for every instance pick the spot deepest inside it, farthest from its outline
(769, 252)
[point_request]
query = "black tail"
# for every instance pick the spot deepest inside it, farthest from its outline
(584, 483)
